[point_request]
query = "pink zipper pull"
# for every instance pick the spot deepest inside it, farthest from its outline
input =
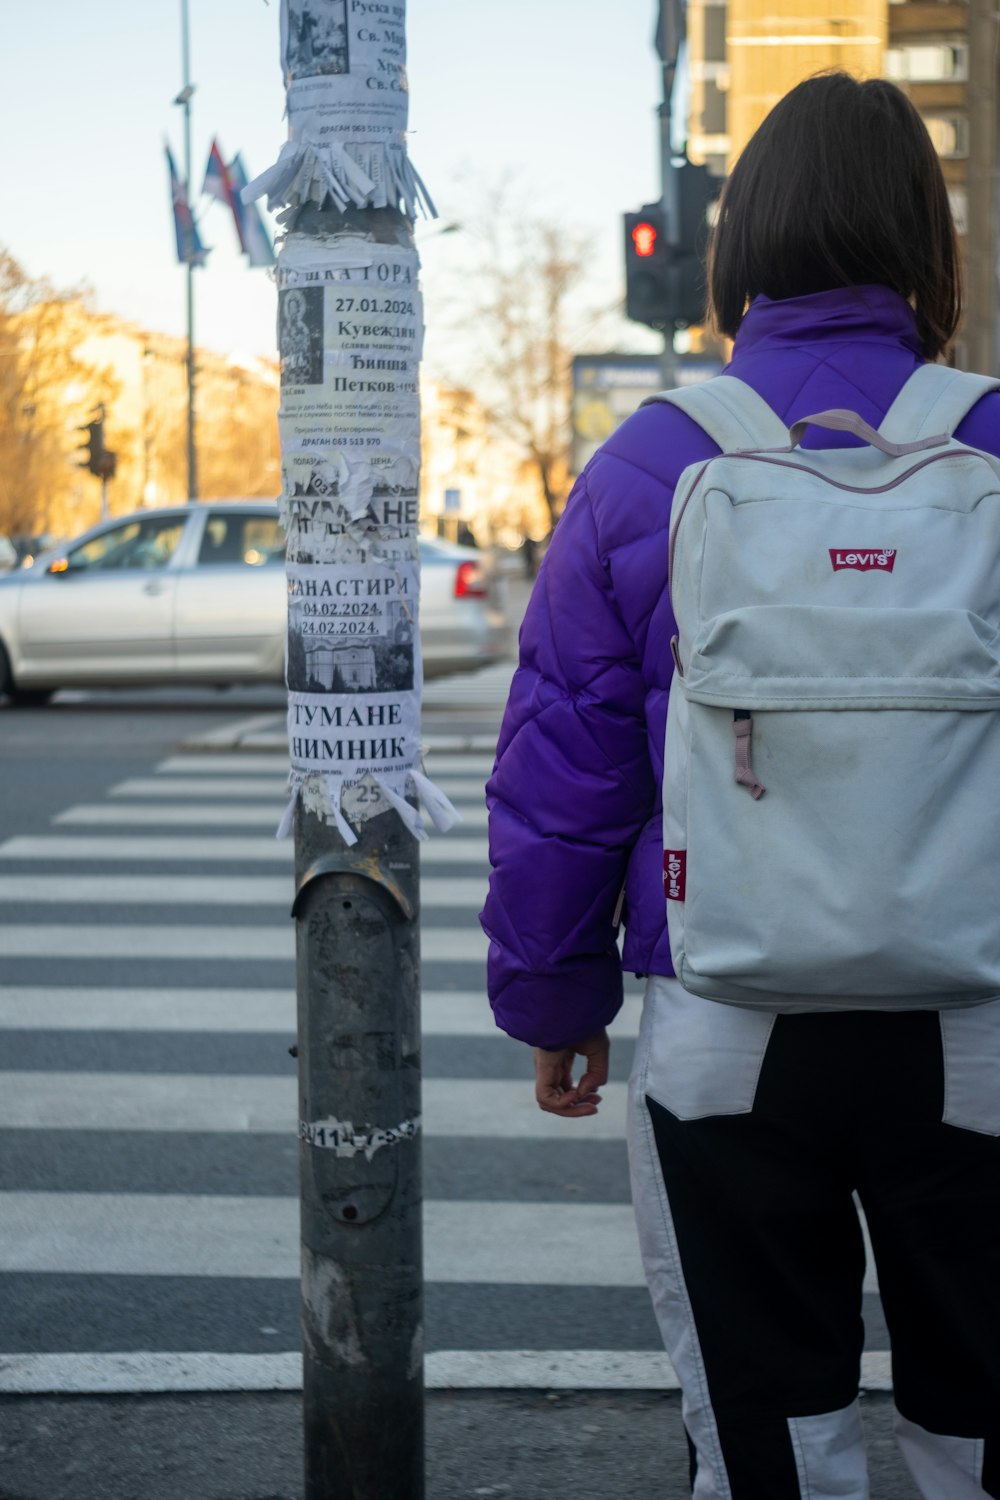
(743, 729)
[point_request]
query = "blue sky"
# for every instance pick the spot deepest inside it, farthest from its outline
(560, 92)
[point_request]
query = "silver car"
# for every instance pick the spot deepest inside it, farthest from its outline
(196, 594)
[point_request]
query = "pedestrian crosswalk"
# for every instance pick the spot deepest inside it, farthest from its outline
(148, 1155)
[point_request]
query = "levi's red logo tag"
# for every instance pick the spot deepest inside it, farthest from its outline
(674, 873)
(882, 558)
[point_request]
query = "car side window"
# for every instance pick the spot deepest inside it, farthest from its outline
(144, 544)
(240, 539)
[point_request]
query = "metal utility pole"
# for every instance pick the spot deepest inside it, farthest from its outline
(358, 982)
(670, 31)
(350, 330)
(184, 99)
(983, 241)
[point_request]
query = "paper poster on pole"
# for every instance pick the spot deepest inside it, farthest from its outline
(354, 677)
(350, 330)
(344, 63)
(349, 336)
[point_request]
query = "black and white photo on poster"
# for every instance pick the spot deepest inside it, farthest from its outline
(300, 335)
(316, 38)
(331, 666)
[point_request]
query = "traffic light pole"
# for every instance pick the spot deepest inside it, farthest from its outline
(668, 42)
(665, 242)
(99, 460)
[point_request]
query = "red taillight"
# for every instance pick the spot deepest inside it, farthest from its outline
(470, 581)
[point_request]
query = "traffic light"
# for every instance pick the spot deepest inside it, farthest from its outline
(98, 459)
(665, 285)
(647, 267)
(93, 448)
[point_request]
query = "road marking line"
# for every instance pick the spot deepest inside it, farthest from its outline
(458, 1013)
(272, 787)
(203, 890)
(96, 1008)
(440, 849)
(188, 1234)
(460, 789)
(221, 765)
(444, 1369)
(166, 942)
(228, 733)
(236, 1104)
(245, 814)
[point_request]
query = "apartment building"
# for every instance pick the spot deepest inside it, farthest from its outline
(745, 54)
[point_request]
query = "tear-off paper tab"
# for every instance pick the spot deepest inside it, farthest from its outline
(344, 63)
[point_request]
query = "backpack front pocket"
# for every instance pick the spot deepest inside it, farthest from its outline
(864, 872)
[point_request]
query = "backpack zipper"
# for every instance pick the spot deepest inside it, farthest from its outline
(760, 458)
(743, 729)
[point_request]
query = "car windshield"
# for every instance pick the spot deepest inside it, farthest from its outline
(146, 543)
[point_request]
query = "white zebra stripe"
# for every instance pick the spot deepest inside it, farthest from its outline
(460, 789)
(203, 890)
(459, 1013)
(178, 814)
(165, 941)
(249, 764)
(148, 1234)
(482, 1109)
(446, 1369)
(142, 849)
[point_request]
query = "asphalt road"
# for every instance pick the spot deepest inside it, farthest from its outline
(148, 1170)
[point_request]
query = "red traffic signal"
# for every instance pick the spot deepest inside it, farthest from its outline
(644, 237)
(647, 267)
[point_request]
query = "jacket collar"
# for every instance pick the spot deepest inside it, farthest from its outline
(850, 312)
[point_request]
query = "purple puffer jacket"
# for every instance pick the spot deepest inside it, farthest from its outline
(574, 798)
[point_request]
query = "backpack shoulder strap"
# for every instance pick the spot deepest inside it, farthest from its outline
(933, 400)
(730, 412)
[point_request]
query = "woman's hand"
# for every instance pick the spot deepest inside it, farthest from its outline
(554, 1088)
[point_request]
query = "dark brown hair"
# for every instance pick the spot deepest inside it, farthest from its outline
(840, 186)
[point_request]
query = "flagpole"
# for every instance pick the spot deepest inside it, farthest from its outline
(184, 98)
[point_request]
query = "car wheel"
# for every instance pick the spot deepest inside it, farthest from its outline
(20, 697)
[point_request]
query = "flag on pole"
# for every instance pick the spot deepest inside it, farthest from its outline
(218, 184)
(190, 250)
(225, 183)
(252, 230)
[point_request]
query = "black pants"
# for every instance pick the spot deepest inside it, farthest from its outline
(750, 1136)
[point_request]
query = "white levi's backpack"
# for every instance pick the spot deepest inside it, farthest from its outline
(832, 760)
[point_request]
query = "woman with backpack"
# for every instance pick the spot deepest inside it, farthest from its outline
(836, 1034)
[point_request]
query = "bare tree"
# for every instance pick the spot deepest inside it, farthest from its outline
(527, 322)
